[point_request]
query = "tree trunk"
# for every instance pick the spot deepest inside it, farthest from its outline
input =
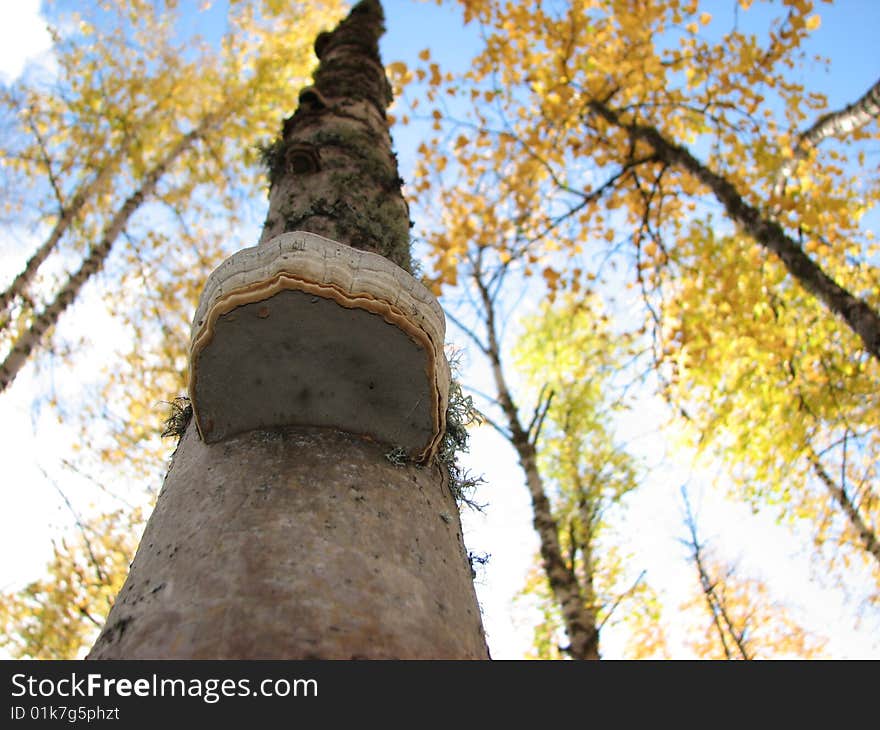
(29, 339)
(68, 212)
(834, 124)
(299, 542)
(66, 216)
(578, 615)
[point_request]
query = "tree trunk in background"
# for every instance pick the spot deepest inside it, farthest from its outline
(305, 543)
(93, 262)
(576, 606)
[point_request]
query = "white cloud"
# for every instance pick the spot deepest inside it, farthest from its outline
(23, 36)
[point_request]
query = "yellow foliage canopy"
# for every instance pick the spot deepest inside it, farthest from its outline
(692, 154)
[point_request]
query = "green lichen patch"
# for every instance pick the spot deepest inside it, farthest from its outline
(397, 456)
(460, 414)
(272, 156)
(363, 221)
(179, 418)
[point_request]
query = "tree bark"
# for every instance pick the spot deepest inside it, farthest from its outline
(858, 314)
(332, 171)
(302, 542)
(297, 544)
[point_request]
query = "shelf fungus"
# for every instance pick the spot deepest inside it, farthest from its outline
(306, 331)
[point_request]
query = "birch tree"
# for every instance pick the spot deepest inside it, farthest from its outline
(314, 540)
(658, 147)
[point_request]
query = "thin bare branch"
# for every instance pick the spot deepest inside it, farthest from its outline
(715, 603)
(541, 409)
(96, 564)
(867, 537)
(620, 598)
(471, 335)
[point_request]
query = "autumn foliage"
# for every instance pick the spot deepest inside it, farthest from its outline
(596, 145)
(656, 169)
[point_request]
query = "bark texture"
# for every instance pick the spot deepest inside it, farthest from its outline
(297, 544)
(332, 171)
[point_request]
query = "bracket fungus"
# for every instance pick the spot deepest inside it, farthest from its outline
(306, 331)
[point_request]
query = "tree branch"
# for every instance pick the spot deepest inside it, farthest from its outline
(858, 314)
(714, 602)
(94, 261)
(866, 535)
(541, 409)
(579, 624)
(99, 571)
(833, 124)
(620, 598)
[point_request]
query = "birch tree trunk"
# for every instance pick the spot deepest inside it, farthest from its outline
(303, 542)
(576, 605)
(67, 215)
(21, 349)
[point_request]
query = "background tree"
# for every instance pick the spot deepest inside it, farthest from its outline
(59, 616)
(610, 145)
(573, 469)
(740, 619)
(569, 355)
